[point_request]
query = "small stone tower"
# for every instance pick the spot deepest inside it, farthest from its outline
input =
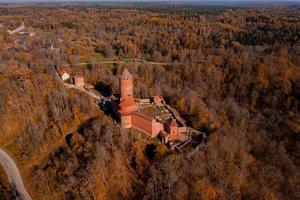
(127, 104)
(173, 130)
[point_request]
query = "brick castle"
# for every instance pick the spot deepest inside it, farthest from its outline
(154, 118)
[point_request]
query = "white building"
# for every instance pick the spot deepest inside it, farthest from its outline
(64, 75)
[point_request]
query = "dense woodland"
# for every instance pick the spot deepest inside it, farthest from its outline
(234, 74)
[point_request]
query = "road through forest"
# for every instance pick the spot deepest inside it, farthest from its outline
(14, 176)
(118, 62)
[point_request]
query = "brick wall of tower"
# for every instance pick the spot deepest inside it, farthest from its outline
(126, 121)
(126, 87)
(127, 104)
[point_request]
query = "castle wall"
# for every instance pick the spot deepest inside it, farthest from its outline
(146, 124)
(157, 127)
(173, 133)
(142, 123)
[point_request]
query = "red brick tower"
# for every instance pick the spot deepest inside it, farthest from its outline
(127, 104)
(126, 84)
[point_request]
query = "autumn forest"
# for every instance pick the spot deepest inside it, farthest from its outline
(231, 72)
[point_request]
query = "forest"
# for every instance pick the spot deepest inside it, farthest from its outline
(231, 72)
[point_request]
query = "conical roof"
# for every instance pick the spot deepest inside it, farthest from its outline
(173, 123)
(126, 74)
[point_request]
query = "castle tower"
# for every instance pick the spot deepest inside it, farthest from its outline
(127, 107)
(127, 104)
(173, 130)
(126, 84)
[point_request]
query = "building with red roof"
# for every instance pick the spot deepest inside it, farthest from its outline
(149, 121)
(79, 80)
(63, 74)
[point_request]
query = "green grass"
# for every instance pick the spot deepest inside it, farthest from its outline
(155, 141)
(92, 57)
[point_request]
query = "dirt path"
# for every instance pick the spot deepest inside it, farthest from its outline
(119, 62)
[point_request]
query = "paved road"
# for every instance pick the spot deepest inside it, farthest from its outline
(14, 176)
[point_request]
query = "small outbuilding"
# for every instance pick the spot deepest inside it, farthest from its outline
(64, 75)
(158, 100)
(79, 80)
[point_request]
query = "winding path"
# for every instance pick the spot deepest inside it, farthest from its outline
(14, 176)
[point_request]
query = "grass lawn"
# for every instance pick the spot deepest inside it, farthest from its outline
(92, 57)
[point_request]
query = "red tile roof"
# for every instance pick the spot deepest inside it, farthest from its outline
(62, 72)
